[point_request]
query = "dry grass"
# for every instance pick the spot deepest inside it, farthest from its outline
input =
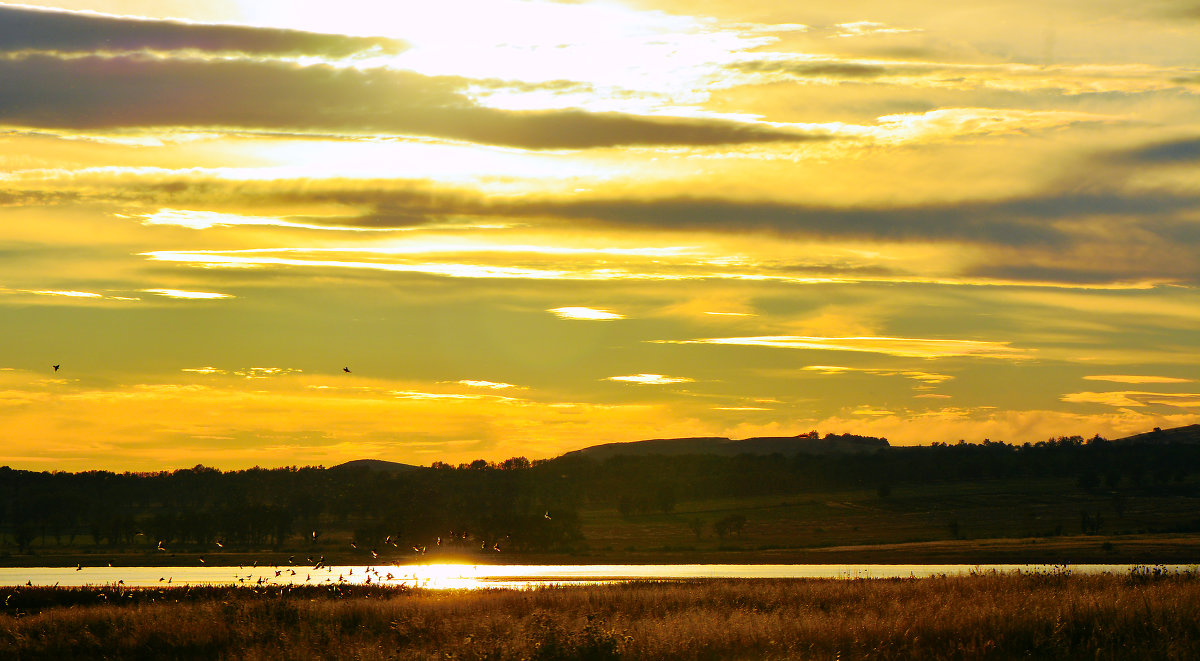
(1047, 616)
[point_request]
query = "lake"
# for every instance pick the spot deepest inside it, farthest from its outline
(468, 576)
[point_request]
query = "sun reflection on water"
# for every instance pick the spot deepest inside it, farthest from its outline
(467, 576)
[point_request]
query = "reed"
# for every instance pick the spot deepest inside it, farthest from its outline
(1143, 615)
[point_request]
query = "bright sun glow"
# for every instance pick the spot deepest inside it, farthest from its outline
(603, 45)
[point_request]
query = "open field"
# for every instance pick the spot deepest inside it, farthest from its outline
(1146, 615)
(991, 521)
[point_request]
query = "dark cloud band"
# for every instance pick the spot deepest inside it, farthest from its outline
(24, 29)
(126, 92)
(1165, 153)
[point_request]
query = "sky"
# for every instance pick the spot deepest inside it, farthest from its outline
(273, 233)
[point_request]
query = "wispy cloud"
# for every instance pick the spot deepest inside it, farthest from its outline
(1133, 378)
(204, 370)
(894, 346)
(419, 395)
(923, 377)
(491, 385)
(871, 411)
(867, 28)
(585, 314)
(1135, 399)
(68, 293)
(650, 379)
(247, 373)
(179, 293)
(199, 220)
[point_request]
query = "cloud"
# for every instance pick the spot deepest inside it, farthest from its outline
(179, 293)
(867, 29)
(816, 68)
(1130, 378)
(1054, 220)
(139, 92)
(67, 293)
(27, 29)
(199, 220)
(266, 372)
(1073, 238)
(204, 370)
(867, 410)
(587, 314)
(650, 379)
(414, 394)
(1018, 221)
(923, 377)
(1135, 399)
(1164, 153)
(892, 346)
(492, 385)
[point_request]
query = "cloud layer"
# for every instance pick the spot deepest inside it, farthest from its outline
(889, 219)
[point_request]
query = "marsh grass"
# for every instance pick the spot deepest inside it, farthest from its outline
(1144, 615)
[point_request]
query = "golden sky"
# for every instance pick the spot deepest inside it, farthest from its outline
(529, 226)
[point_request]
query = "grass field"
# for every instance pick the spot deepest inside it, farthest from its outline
(986, 509)
(994, 521)
(1147, 615)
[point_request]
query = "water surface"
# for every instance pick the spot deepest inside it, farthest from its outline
(468, 576)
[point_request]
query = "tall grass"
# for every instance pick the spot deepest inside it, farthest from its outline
(1040, 616)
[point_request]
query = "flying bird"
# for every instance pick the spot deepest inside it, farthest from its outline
(56, 367)
(346, 370)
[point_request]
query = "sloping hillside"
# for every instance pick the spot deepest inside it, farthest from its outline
(1189, 434)
(786, 445)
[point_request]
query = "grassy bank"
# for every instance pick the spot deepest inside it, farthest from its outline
(1046, 616)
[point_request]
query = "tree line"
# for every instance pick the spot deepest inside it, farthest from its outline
(476, 506)
(516, 504)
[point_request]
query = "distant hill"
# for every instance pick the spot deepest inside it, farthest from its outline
(1189, 435)
(785, 445)
(376, 465)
